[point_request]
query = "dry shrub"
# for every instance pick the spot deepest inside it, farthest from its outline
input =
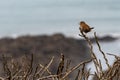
(24, 69)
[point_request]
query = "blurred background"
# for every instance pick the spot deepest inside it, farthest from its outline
(52, 16)
(38, 17)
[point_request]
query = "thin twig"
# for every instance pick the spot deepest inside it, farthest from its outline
(106, 60)
(30, 69)
(46, 68)
(60, 67)
(47, 77)
(74, 68)
(96, 63)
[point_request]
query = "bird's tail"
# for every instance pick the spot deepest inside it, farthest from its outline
(92, 28)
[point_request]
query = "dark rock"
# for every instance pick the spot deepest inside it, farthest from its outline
(107, 38)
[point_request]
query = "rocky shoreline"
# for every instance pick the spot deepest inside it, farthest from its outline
(106, 38)
(48, 45)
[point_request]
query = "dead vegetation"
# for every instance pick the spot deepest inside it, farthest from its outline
(22, 69)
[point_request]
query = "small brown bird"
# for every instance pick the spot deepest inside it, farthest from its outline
(84, 27)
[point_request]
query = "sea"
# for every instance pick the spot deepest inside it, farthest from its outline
(47, 17)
